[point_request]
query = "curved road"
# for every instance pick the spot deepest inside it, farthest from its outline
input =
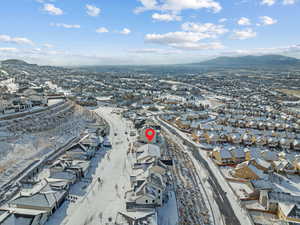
(233, 215)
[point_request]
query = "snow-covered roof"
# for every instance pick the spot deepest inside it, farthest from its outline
(286, 207)
(37, 200)
(284, 197)
(263, 163)
(12, 219)
(64, 175)
(225, 154)
(250, 164)
(149, 150)
(136, 215)
(257, 171)
(239, 153)
(268, 155)
(262, 184)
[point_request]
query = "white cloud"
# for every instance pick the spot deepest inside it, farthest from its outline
(145, 51)
(198, 46)
(155, 51)
(67, 26)
(289, 2)
(266, 20)
(102, 30)
(8, 50)
(222, 20)
(92, 10)
(125, 31)
(243, 21)
(176, 37)
(16, 40)
(183, 40)
(243, 34)
(149, 3)
(178, 5)
(208, 28)
(46, 45)
(166, 17)
(268, 2)
(51, 9)
(190, 36)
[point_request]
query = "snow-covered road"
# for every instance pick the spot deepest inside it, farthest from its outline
(102, 202)
(222, 188)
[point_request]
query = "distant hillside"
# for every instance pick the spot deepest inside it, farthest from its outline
(14, 62)
(250, 61)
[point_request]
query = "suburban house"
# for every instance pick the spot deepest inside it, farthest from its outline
(43, 202)
(148, 180)
(289, 212)
(147, 190)
(284, 166)
(296, 163)
(148, 153)
(92, 141)
(79, 152)
(269, 155)
(22, 217)
(272, 142)
(199, 136)
(296, 145)
(248, 139)
(230, 155)
(235, 138)
(79, 167)
(285, 205)
(212, 137)
(285, 143)
(67, 176)
(249, 170)
(260, 141)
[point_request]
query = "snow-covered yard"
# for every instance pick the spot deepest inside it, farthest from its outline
(241, 189)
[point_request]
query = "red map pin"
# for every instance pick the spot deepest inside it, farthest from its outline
(150, 133)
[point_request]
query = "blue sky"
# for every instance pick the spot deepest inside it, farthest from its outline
(89, 32)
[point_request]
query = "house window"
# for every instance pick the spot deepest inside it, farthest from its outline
(153, 201)
(146, 201)
(158, 197)
(158, 191)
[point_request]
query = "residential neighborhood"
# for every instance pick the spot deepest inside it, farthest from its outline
(225, 146)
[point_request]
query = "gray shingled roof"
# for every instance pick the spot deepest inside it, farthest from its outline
(38, 200)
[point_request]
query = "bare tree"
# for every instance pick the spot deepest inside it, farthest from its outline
(100, 216)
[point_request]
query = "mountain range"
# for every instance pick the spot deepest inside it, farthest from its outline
(264, 61)
(251, 61)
